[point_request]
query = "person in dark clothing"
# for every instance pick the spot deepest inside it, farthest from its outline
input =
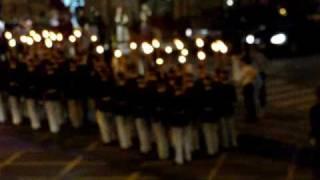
(227, 100)
(104, 104)
(121, 111)
(52, 94)
(314, 116)
(14, 75)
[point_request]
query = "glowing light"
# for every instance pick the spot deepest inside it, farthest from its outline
(199, 43)
(53, 36)
(185, 52)
(182, 59)
(224, 49)
(77, 33)
(45, 34)
(179, 44)
(283, 12)
(117, 53)
(159, 61)
(72, 39)
(279, 39)
(133, 45)
(8, 35)
(201, 55)
(37, 38)
(215, 47)
(100, 49)
(12, 43)
(250, 39)
(29, 41)
(48, 43)
(147, 48)
(168, 49)
(189, 32)
(230, 3)
(94, 38)
(32, 33)
(59, 37)
(156, 43)
(23, 39)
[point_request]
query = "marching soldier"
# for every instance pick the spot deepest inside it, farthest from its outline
(160, 95)
(51, 94)
(14, 90)
(104, 103)
(121, 105)
(31, 83)
(227, 99)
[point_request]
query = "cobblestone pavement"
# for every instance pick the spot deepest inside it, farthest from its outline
(274, 148)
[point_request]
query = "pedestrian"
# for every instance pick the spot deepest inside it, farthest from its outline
(247, 82)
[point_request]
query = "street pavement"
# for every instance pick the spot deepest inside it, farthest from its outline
(274, 148)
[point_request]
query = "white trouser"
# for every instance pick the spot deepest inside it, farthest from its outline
(15, 110)
(75, 113)
(105, 127)
(54, 115)
(123, 132)
(228, 132)
(182, 143)
(143, 135)
(210, 131)
(33, 114)
(161, 140)
(2, 110)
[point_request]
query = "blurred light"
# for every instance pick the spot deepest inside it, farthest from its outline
(2, 26)
(189, 32)
(72, 39)
(94, 38)
(48, 43)
(250, 39)
(201, 55)
(168, 49)
(117, 53)
(283, 12)
(179, 44)
(59, 37)
(53, 36)
(8, 35)
(155, 43)
(204, 32)
(224, 49)
(215, 47)
(230, 3)
(185, 52)
(182, 59)
(159, 61)
(199, 43)
(32, 33)
(29, 41)
(45, 34)
(100, 49)
(147, 48)
(37, 38)
(12, 43)
(278, 39)
(77, 33)
(23, 39)
(133, 45)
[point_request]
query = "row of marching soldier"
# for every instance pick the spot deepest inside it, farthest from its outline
(170, 109)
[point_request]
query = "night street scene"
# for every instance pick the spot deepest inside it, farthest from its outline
(160, 89)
